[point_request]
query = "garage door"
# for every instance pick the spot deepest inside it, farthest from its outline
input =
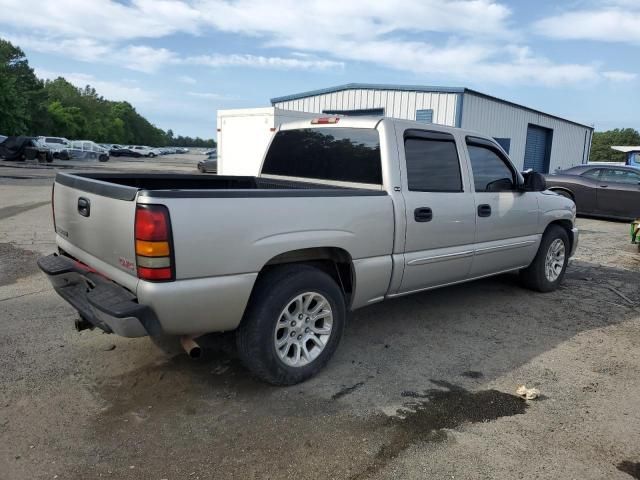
(537, 152)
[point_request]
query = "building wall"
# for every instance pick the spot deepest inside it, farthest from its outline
(396, 104)
(570, 143)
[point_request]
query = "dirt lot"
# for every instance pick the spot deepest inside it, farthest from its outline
(421, 387)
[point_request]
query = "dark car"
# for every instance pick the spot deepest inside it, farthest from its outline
(22, 148)
(124, 152)
(600, 190)
(210, 165)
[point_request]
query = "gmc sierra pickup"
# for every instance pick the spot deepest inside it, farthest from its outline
(345, 213)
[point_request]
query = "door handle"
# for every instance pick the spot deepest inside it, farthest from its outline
(484, 210)
(423, 214)
(84, 206)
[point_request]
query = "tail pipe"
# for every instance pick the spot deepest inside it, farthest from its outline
(190, 346)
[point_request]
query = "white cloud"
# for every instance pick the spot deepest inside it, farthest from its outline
(617, 21)
(108, 20)
(455, 39)
(134, 57)
(618, 76)
(259, 61)
(210, 96)
(107, 89)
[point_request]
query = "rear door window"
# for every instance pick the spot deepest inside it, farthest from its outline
(432, 162)
(339, 154)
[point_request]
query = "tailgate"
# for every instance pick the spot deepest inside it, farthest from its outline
(95, 223)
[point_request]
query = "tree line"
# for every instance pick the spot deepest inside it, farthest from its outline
(32, 106)
(602, 142)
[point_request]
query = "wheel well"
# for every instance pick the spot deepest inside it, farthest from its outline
(567, 225)
(562, 189)
(336, 262)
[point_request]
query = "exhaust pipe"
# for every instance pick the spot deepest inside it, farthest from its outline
(190, 346)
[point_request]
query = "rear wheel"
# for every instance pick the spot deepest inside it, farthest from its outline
(293, 324)
(547, 270)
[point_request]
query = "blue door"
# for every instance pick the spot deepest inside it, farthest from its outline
(537, 152)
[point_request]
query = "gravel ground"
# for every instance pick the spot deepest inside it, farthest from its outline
(421, 387)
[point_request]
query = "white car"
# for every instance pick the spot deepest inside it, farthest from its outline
(57, 145)
(87, 150)
(145, 151)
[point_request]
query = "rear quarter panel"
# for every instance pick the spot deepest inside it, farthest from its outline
(226, 236)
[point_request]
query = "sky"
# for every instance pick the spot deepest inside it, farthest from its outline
(179, 61)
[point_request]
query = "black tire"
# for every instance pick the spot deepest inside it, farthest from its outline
(256, 335)
(201, 169)
(103, 158)
(63, 155)
(534, 276)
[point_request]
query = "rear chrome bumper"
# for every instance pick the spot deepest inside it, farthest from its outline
(98, 300)
(574, 241)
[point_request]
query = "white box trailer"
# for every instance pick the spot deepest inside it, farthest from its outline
(244, 135)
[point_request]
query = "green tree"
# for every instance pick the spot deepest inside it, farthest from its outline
(19, 87)
(602, 141)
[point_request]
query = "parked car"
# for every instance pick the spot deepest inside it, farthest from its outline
(20, 148)
(125, 152)
(343, 215)
(213, 151)
(182, 150)
(610, 191)
(2, 138)
(144, 151)
(87, 150)
(58, 146)
(210, 165)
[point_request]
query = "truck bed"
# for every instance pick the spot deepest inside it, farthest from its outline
(125, 186)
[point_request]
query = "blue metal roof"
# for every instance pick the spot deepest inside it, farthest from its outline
(414, 88)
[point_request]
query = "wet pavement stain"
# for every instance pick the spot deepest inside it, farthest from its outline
(630, 468)
(346, 391)
(16, 263)
(424, 421)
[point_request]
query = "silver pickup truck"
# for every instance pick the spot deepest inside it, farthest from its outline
(345, 213)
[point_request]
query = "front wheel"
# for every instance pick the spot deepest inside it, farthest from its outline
(547, 270)
(293, 324)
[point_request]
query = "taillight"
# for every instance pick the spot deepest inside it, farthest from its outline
(154, 257)
(325, 120)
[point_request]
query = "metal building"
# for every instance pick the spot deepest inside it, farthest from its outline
(533, 139)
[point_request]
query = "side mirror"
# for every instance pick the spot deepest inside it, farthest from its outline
(534, 181)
